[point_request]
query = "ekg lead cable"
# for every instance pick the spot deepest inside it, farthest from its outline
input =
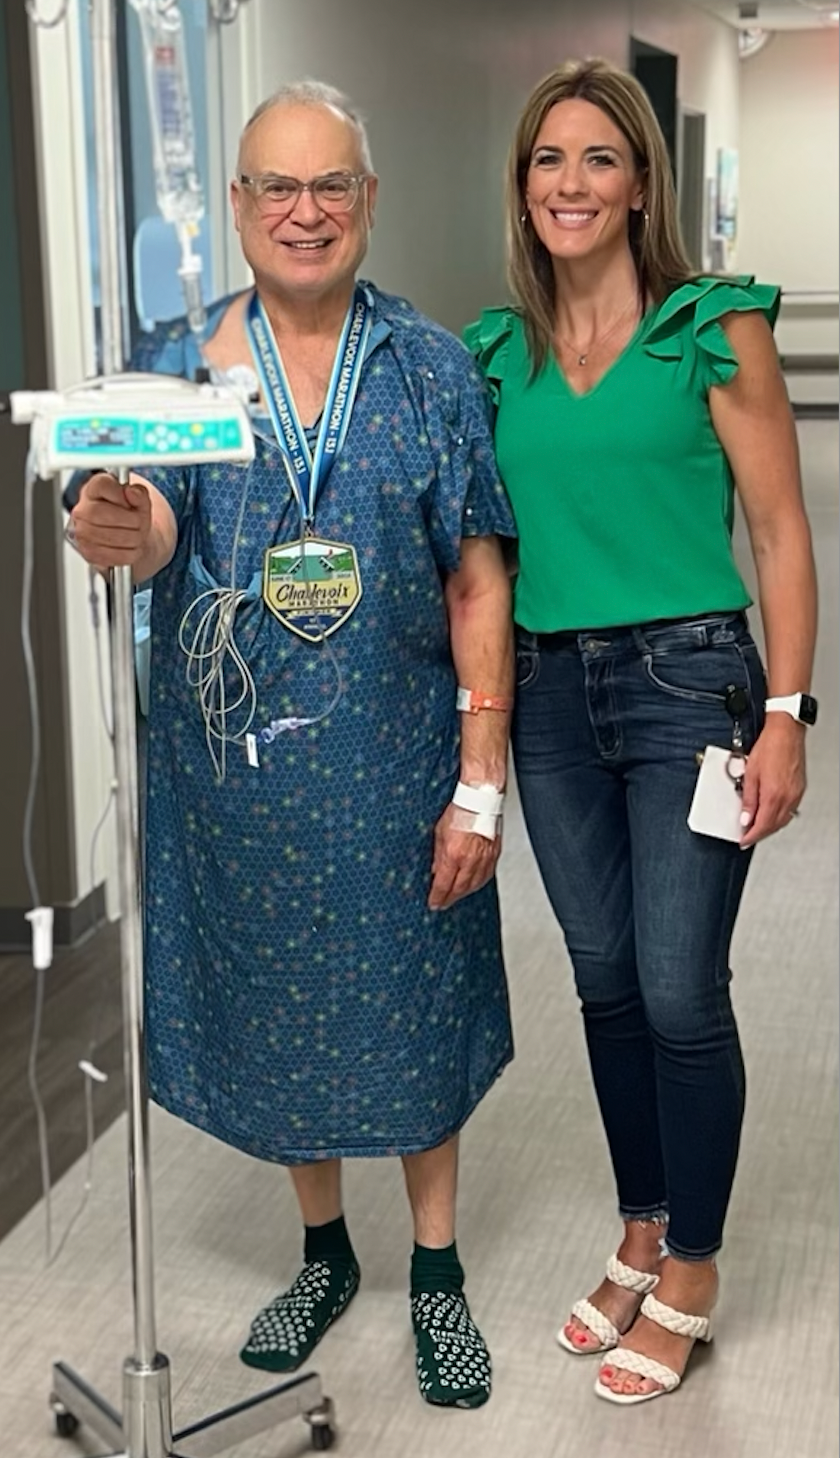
(213, 648)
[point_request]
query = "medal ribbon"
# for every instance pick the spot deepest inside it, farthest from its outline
(309, 472)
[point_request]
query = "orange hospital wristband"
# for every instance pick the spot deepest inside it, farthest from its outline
(471, 701)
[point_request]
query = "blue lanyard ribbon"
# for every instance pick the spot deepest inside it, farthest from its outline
(309, 471)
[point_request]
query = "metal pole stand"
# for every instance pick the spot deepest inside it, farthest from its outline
(146, 1424)
(145, 1428)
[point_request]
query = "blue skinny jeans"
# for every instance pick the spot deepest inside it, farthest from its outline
(606, 731)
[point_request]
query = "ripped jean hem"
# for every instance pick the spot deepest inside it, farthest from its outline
(690, 1256)
(654, 1215)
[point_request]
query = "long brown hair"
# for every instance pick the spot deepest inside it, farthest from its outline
(654, 235)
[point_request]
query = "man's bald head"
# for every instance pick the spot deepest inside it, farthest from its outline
(315, 94)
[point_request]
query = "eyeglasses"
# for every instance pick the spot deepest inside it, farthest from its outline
(335, 192)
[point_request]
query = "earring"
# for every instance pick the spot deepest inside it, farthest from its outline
(523, 217)
(643, 213)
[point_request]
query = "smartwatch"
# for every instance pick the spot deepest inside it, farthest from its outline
(801, 707)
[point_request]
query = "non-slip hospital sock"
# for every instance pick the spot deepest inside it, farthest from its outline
(286, 1332)
(453, 1363)
(330, 1242)
(436, 1270)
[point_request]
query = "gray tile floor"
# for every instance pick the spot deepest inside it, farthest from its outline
(536, 1210)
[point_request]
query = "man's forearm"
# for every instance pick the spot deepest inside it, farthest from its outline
(481, 634)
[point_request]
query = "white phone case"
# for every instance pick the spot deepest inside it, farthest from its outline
(716, 806)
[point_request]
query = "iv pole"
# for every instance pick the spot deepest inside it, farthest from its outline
(145, 1428)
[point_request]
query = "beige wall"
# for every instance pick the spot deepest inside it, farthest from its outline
(441, 84)
(790, 189)
(790, 192)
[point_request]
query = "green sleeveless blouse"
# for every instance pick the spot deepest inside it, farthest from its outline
(623, 496)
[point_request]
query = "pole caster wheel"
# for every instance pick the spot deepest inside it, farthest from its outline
(66, 1425)
(321, 1429)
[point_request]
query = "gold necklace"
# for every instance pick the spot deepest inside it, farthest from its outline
(582, 356)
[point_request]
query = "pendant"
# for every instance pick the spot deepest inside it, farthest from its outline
(312, 592)
(581, 359)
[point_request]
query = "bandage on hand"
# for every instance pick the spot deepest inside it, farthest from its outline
(490, 826)
(478, 809)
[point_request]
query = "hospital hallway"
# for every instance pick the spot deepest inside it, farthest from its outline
(536, 1208)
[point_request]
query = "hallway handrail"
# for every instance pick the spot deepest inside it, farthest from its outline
(811, 298)
(794, 362)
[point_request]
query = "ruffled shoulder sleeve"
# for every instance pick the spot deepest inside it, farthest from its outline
(488, 339)
(686, 326)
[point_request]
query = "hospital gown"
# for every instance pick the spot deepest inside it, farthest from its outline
(303, 1002)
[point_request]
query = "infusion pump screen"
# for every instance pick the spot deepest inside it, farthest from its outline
(123, 437)
(88, 433)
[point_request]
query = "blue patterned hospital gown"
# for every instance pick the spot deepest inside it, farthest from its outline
(302, 1001)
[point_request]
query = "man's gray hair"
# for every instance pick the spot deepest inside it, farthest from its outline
(316, 93)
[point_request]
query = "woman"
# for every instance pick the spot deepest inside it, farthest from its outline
(633, 399)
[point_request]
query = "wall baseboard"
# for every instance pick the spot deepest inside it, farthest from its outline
(72, 924)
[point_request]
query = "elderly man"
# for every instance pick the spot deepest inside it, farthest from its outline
(330, 695)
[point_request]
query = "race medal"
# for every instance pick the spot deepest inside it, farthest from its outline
(314, 590)
(312, 585)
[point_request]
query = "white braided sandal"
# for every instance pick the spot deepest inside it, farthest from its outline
(698, 1328)
(600, 1325)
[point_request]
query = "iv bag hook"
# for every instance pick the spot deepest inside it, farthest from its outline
(34, 13)
(225, 11)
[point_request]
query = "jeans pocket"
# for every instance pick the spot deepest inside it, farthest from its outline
(527, 663)
(702, 674)
(695, 674)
